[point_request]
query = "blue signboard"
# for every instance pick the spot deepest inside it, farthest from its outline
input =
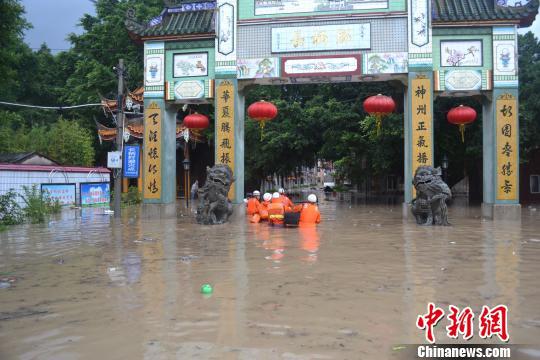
(95, 194)
(131, 161)
(63, 193)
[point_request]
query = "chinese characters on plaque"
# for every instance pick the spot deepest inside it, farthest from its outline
(422, 149)
(152, 152)
(225, 96)
(507, 147)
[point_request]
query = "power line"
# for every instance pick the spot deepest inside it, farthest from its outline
(48, 107)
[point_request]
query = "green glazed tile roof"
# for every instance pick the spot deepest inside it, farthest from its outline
(482, 10)
(174, 24)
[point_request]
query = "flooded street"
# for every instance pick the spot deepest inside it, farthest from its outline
(87, 287)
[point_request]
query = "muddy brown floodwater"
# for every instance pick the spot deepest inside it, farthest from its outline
(86, 287)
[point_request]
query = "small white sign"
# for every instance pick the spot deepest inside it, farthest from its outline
(114, 160)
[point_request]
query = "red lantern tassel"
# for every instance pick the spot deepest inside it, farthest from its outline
(462, 131)
(378, 121)
(261, 126)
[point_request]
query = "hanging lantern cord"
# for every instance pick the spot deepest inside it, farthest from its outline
(462, 131)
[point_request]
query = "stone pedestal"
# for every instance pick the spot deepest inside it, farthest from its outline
(159, 211)
(502, 212)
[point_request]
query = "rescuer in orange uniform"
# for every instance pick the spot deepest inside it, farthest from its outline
(253, 204)
(310, 215)
(276, 210)
(262, 214)
(263, 210)
(289, 205)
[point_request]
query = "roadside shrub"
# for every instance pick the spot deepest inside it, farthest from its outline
(132, 197)
(36, 208)
(10, 211)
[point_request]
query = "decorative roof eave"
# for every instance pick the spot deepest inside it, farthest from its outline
(475, 23)
(196, 18)
(180, 37)
(483, 11)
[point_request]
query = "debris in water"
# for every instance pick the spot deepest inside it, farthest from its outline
(206, 289)
(188, 258)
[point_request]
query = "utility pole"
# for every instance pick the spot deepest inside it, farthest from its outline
(119, 137)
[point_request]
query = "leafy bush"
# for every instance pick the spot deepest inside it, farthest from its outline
(36, 208)
(132, 197)
(10, 211)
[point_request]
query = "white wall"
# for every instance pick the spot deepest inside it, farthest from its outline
(17, 179)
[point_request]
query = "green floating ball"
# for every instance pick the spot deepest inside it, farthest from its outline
(206, 289)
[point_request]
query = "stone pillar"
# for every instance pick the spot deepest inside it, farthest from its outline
(159, 142)
(418, 127)
(501, 156)
(501, 131)
(159, 159)
(229, 133)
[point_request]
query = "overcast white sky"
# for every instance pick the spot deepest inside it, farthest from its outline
(53, 20)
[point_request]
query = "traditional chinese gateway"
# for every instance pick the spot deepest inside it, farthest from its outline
(211, 51)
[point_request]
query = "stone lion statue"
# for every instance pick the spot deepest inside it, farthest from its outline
(214, 204)
(429, 206)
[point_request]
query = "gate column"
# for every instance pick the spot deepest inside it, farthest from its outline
(501, 132)
(419, 96)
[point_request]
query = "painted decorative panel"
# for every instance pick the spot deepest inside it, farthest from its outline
(512, 3)
(458, 53)
(321, 66)
(420, 34)
(191, 64)
(154, 69)
(189, 89)
(420, 22)
(507, 147)
(226, 29)
(226, 37)
(258, 68)
(463, 80)
(505, 57)
(321, 38)
(271, 7)
(385, 63)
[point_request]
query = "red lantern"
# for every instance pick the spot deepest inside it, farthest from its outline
(262, 112)
(196, 121)
(379, 106)
(461, 116)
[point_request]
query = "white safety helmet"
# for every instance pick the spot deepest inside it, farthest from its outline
(267, 197)
(275, 195)
(281, 190)
(256, 193)
(312, 198)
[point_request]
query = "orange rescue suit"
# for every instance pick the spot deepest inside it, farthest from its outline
(286, 202)
(276, 212)
(253, 206)
(310, 215)
(262, 214)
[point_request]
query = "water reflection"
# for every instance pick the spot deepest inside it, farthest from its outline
(351, 287)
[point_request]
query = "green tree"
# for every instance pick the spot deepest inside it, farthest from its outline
(529, 79)
(70, 143)
(12, 26)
